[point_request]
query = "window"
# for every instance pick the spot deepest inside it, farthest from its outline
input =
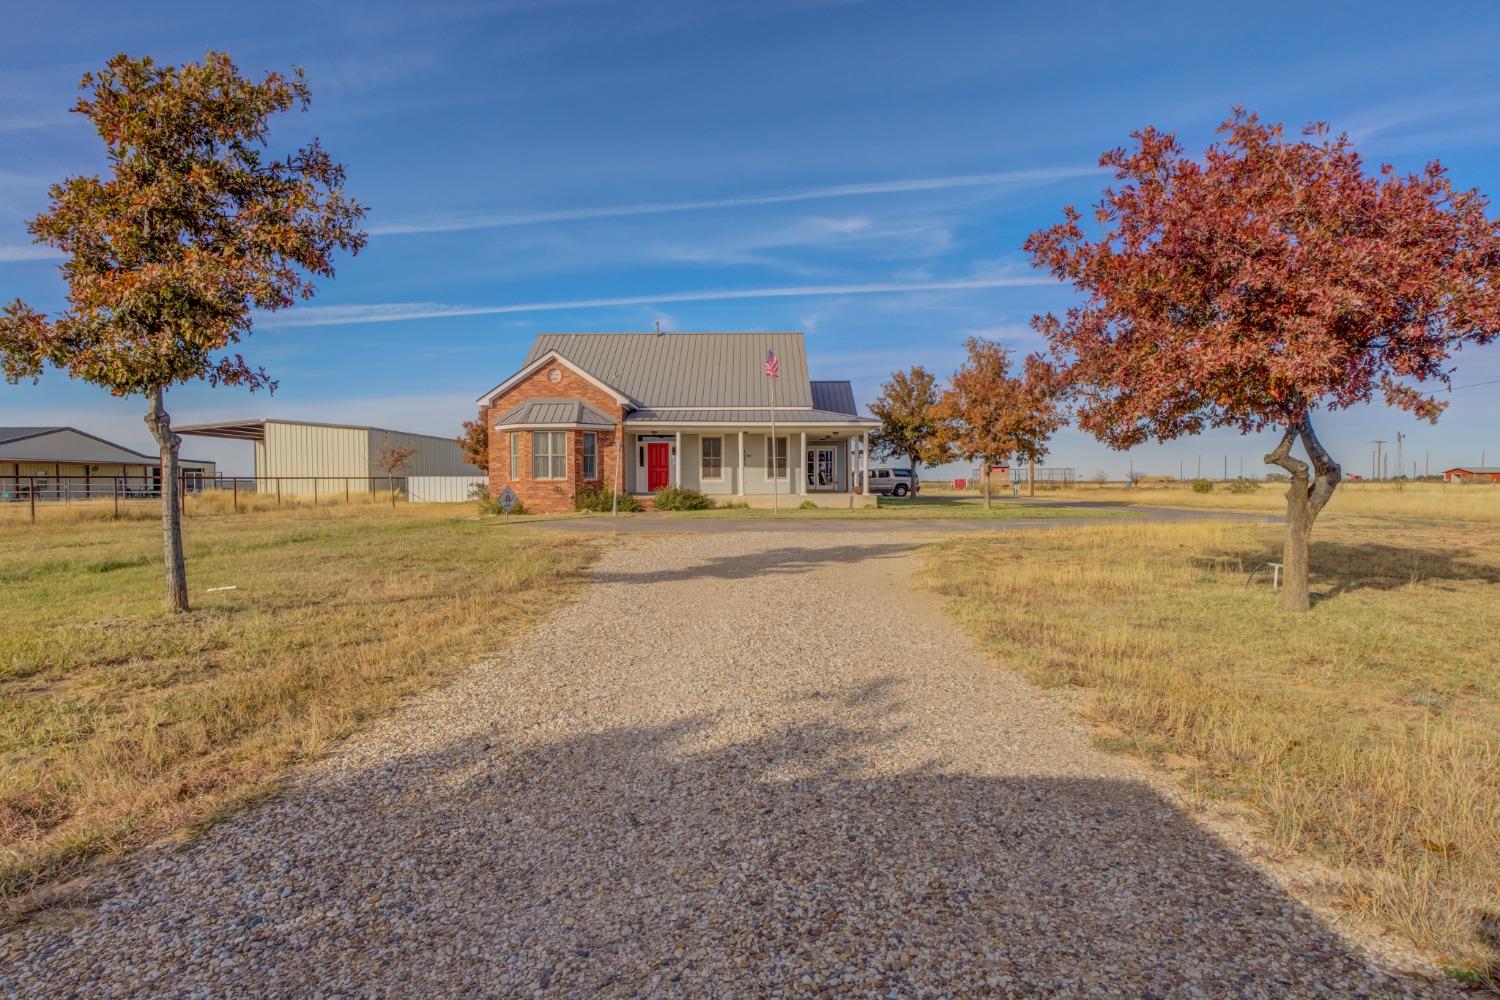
(779, 471)
(590, 455)
(515, 455)
(712, 463)
(549, 455)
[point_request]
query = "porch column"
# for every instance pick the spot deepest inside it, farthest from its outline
(864, 460)
(739, 482)
(801, 463)
(677, 458)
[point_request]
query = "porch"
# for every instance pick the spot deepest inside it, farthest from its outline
(823, 464)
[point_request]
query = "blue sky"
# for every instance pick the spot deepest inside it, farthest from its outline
(864, 172)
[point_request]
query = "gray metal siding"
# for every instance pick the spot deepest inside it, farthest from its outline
(688, 369)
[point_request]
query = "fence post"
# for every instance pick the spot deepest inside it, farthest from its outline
(117, 498)
(278, 491)
(346, 491)
(32, 493)
(236, 497)
(315, 490)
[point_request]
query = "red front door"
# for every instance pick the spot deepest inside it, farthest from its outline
(658, 465)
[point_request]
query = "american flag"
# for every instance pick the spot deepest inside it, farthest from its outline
(773, 367)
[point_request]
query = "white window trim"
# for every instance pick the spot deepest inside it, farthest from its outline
(584, 457)
(550, 456)
(771, 475)
(704, 475)
(515, 455)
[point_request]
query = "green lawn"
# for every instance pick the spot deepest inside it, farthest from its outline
(120, 723)
(940, 507)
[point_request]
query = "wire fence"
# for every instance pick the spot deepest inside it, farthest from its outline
(27, 497)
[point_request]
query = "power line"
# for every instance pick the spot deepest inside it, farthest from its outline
(1474, 385)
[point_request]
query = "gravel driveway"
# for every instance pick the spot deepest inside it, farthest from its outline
(744, 764)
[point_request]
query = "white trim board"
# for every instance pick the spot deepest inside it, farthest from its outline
(540, 363)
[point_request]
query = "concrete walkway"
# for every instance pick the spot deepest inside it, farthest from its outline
(743, 764)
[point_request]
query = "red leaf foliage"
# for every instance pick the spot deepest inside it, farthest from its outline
(1268, 279)
(989, 414)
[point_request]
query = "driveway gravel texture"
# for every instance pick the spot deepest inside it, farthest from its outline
(742, 765)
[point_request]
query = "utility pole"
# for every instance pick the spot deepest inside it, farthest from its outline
(1179, 470)
(1400, 462)
(1226, 470)
(1427, 463)
(1200, 467)
(1375, 472)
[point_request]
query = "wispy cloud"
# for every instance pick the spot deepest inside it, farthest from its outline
(25, 252)
(400, 312)
(482, 221)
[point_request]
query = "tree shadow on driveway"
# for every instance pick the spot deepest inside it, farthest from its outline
(766, 562)
(688, 858)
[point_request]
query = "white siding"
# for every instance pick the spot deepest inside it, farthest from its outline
(332, 453)
(313, 450)
(442, 489)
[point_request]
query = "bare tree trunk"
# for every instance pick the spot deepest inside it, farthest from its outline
(1030, 476)
(984, 477)
(1305, 499)
(160, 425)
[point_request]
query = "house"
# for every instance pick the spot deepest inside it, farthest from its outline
(640, 411)
(1472, 473)
(66, 463)
(302, 457)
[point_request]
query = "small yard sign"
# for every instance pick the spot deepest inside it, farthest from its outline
(507, 499)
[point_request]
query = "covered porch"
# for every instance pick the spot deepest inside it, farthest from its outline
(826, 464)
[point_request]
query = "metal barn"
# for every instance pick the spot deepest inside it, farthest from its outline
(300, 457)
(65, 463)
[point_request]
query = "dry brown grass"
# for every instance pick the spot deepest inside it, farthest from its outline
(1435, 501)
(120, 724)
(1365, 734)
(203, 504)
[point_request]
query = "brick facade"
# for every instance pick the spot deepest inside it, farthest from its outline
(551, 496)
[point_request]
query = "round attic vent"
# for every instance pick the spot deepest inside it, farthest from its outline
(554, 375)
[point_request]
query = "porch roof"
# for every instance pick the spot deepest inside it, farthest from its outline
(554, 413)
(787, 416)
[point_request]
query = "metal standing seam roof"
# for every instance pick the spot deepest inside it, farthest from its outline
(11, 435)
(834, 396)
(17, 433)
(688, 370)
(761, 416)
(1478, 470)
(570, 412)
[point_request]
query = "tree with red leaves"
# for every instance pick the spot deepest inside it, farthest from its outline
(474, 442)
(1268, 281)
(986, 413)
(168, 257)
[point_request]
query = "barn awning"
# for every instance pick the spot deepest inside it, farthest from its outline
(238, 430)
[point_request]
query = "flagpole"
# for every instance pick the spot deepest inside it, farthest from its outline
(771, 395)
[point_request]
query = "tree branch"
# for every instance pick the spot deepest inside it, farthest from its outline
(1328, 471)
(1282, 454)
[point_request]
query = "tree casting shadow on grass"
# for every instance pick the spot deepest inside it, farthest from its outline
(1340, 567)
(508, 863)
